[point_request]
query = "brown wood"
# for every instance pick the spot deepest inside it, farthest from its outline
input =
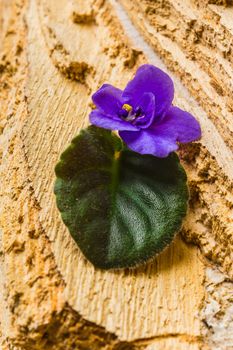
(54, 55)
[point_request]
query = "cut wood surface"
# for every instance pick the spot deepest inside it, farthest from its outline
(54, 55)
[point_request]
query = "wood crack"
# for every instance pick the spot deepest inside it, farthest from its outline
(52, 297)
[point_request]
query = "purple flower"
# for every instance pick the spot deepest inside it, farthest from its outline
(143, 113)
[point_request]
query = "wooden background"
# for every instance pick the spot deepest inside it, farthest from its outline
(53, 56)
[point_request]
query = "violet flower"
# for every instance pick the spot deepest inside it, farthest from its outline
(143, 113)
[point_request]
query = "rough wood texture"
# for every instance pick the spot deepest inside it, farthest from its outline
(54, 54)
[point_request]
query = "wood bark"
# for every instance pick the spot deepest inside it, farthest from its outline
(54, 55)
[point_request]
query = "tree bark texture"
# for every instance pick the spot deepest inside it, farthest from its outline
(54, 55)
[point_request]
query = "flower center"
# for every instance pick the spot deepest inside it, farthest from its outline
(129, 114)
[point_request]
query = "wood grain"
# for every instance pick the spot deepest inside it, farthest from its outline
(51, 296)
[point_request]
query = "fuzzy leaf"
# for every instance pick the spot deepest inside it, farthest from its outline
(120, 207)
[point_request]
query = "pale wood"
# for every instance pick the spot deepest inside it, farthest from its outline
(50, 293)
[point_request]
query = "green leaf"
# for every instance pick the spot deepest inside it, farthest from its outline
(120, 207)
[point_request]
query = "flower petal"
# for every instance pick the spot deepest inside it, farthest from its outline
(148, 142)
(147, 104)
(108, 99)
(178, 125)
(150, 79)
(113, 123)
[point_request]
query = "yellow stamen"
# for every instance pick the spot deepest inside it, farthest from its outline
(127, 107)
